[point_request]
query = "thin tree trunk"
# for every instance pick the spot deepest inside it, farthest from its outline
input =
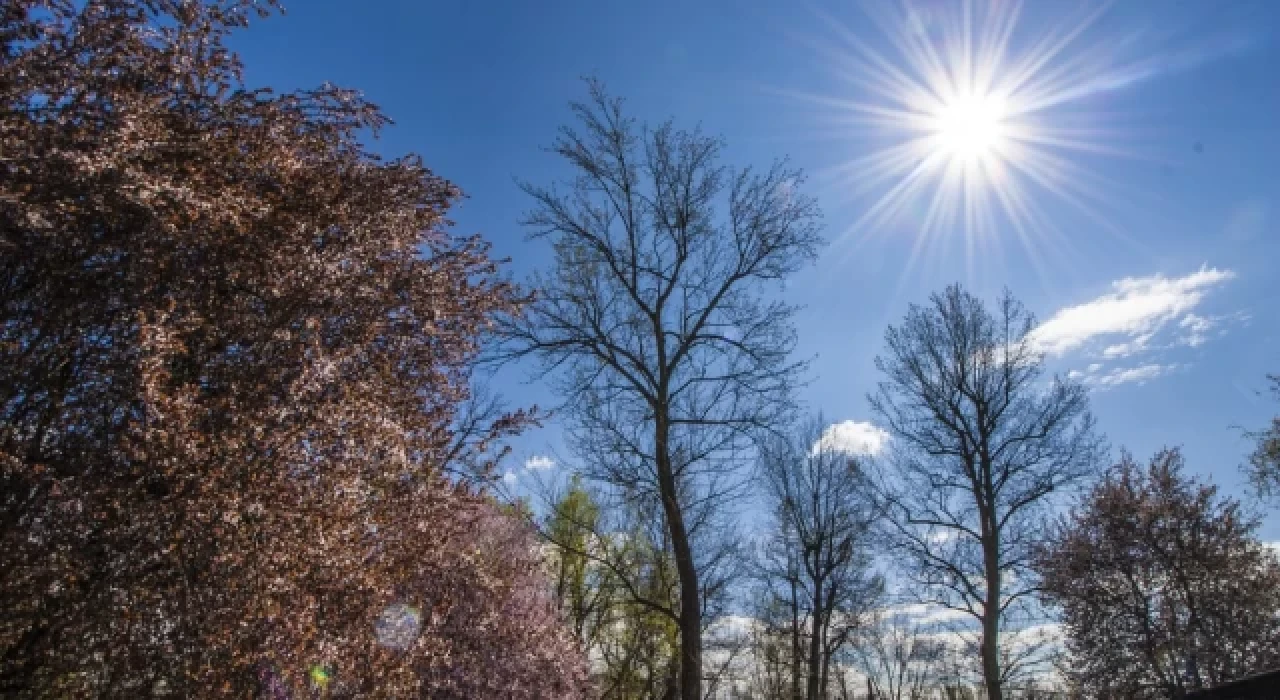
(828, 648)
(690, 602)
(815, 642)
(795, 642)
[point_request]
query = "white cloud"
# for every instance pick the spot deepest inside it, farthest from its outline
(538, 462)
(1196, 327)
(853, 437)
(928, 614)
(1132, 313)
(1097, 376)
(509, 478)
(1123, 375)
(1198, 324)
(1133, 347)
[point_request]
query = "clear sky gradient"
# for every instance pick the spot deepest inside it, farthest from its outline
(1154, 263)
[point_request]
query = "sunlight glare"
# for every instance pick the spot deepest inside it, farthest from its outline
(970, 127)
(958, 130)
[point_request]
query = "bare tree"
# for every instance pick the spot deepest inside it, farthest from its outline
(668, 352)
(775, 648)
(899, 656)
(980, 444)
(1163, 585)
(777, 568)
(1263, 469)
(818, 563)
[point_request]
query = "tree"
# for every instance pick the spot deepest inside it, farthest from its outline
(899, 657)
(979, 448)
(1162, 584)
(640, 649)
(780, 609)
(586, 589)
(235, 350)
(775, 651)
(615, 579)
(1264, 463)
(671, 356)
(817, 563)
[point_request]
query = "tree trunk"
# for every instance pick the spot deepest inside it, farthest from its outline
(795, 642)
(829, 648)
(690, 600)
(991, 619)
(815, 643)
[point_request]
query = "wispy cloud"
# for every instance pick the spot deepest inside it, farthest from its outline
(1197, 328)
(853, 437)
(1131, 315)
(1140, 374)
(1132, 347)
(539, 462)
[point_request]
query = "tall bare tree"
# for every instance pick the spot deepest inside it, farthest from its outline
(980, 444)
(670, 353)
(818, 563)
(1163, 585)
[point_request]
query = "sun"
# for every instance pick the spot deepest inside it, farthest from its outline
(962, 124)
(971, 128)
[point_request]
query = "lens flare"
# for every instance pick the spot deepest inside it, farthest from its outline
(319, 675)
(398, 626)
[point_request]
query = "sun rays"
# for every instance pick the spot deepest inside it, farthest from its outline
(964, 123)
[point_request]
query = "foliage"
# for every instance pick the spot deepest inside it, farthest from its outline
(1162, 584)
(584, 590)
(617, 588)
(1264, 463)
(234, 351)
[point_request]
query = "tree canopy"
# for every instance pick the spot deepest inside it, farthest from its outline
(234, 350)
(1162, 584)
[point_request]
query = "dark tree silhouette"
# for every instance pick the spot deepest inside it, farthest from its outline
(234, 351)
(979, 447)
(1264, 463)
(1162, 585)
(670, 355)
(816, 564)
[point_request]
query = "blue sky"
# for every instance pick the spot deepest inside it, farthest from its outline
(1160, 290)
